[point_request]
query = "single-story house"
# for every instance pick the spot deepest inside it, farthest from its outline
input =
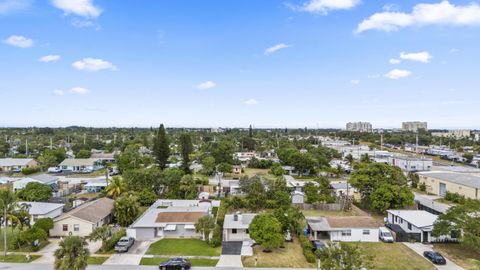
(95, 185)
(344, 229)
(81, 221)
(411, 225)
(342, 189)
(171, 219)
(235, 227)
(430, 204)
(439, 182)
(298, 197)
(102, 156)
(237, 169)
(39, 210)
(80, 164)
(231, 187)
(16, 164)
(294, 184)
(290, 170)
(411, 163)
(46, 179)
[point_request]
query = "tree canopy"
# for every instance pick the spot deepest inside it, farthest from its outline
(267, 231)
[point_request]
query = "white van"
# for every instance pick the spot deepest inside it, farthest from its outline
(385, 235)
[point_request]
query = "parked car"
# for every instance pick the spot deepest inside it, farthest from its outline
(435, 257)
(385, 235)
(124, 244)
(54, 170)
(317, 244)
(175, 263)
(87, 170)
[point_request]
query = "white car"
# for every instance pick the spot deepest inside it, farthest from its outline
(385, 235)
(54, 170)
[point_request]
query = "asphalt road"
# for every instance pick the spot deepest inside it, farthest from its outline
(8, 266)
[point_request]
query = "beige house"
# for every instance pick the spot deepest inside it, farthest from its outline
(16, 164)
(439, 183)
(82, 220)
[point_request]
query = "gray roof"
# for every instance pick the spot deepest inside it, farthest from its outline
(243, 221)
(45, 178)
(457, 178)
(93, 211)
(8, 162)
(340, 185)
(79, 162)
(41, 208)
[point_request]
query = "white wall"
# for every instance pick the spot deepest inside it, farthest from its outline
(241, 235)
(356, 235)
(85, 228)
(53, 214)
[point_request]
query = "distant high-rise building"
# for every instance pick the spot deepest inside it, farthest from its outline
(359, 126)
(414, 126)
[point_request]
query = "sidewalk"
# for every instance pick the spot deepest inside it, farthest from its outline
(420, 248)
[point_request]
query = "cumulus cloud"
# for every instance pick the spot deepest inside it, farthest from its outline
(58, 92)
(79, 91)
(394, 61)
(443, 13)
(7, 6)
(251, 102)
(19, 41)
(205, 85)
(84, 8)
(92, 64)
(49, 58)
(423, 57)
(396, 74)
(276, 48)
(324, 6)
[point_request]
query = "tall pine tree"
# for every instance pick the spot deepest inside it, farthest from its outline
(161, 148)
(186, 149)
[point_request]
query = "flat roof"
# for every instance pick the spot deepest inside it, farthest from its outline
(418, 218)
(457, 178)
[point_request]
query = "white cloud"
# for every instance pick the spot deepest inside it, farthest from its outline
(7, 6)
(92, 64)
(442, 13)
(58, 92)
(423, 57)
(373, 76)
(355, 82)
(84, 8)
(83, 23)
(49, 58)
(19, 41)
(205, 85)
(324, 6)
(396, 74)
(276, 48)
(79, 91)
(394, 61)
(251, 102)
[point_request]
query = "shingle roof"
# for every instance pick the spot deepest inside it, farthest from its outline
(457, 178)
(41, 208)
(93, 211)
(8, 162)
(45, 178)
(243, 221)
(336, 223)
(79, 162)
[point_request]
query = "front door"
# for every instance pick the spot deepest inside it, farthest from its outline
(443, 189)
(425, 237)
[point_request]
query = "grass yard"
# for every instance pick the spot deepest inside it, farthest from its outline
(394, 256)
(321, 213)
(461, 255)
(96, 260)
(289, 257)
(17, 258)
(195, 262)
(183, 247)
(251, 172)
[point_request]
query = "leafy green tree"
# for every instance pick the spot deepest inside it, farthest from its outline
(35, 192)
(8, 204)
(170, 178)
(267, 231)
(129, 159)
(414, 179)
(126, 209)
(45, 224)
(468, 157)
(461, 220)
(277, 169)
(303, 162)
(225, 167)
(188, 187)
(146, 197)
(290, 217)
(116, 187)
(102, 233)
(161, 147)
(223, 151)
(205, 225)
(72, 254)
(311, 193)
(345, 257)
(31, 235)
(83, 154)
(387, 196)
(208, 163)
(186, 147)
(140, 179)
(47, 161)
(255, 190)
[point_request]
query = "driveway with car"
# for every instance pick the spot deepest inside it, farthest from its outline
(132, 257)
(421, 248)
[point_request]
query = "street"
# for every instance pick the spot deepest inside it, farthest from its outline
(4, 266)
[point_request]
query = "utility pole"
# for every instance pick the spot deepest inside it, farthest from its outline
(381, 141)
(416, 144)
(26, 147)
(51, 143)
(84, 138)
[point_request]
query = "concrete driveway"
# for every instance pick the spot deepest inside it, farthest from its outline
(132, 257)
(229, 261)
(47, 252)
(420, 248)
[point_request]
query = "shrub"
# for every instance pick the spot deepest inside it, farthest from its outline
(46, 224)
(422, 186)
(31, 235)
(307, 249)
(454, 197)
(216, 239)
(110, 244)
(31, 170)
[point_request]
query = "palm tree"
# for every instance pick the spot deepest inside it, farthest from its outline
(101, 234)
(116, 187)
(8, 204)
(126, 209)
(205, 224)
(72, 254)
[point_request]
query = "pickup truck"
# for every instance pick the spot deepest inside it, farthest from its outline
(124, 244)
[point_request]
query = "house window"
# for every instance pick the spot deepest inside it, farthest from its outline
(65, 227)
(366, 232)
(234, 231)
(76, 228)
(347, 233)
(247, 231)
(409, 226)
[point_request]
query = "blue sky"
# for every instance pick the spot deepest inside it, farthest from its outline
(209, 63)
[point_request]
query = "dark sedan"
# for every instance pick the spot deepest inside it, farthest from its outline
(175, 264)
(435, 257)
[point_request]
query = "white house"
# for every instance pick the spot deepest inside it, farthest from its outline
(412, 225)
(171, 219)
(46, 179)
(294, 184)
(16, 164)
(235, 227)
(411, 163)
(344, 229)
(231, 187)
(39, 210)
(80, 164)
(342, 188)
(82, 220)
(298, 197)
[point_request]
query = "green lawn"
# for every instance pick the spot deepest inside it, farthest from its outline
(17, 258)
(96, 260)
(11, 240)
(195, 262)
(464, 256)
(183, 247)
(394, 256)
